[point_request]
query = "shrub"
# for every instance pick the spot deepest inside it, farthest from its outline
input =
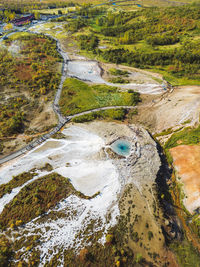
(118, 80)
(117, 72)
(109, 238)
(150, 235)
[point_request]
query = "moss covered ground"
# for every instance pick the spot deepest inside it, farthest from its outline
(188, 136)
(77, 96)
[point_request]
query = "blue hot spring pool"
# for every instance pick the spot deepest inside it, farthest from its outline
(121, 147)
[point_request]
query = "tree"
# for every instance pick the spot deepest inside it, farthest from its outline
(8, 27)
(37, 15)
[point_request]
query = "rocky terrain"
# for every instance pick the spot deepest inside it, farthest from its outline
(72, 200)
(82, 150)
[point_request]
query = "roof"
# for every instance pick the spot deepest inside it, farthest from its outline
(23, 20)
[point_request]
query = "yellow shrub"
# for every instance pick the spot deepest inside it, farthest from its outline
(28, 248)
(20, 264)
(8, 27)
(109, 238)
(18, 222)
(12, 225)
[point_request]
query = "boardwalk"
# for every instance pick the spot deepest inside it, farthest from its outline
(63, 121)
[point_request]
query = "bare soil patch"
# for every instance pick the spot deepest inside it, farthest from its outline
(23, 72)
(135, 75)
(187, 163)
(144, 234)
(172, 110)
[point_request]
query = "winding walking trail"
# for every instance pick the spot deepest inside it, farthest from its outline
(65, 72)
(61, 119)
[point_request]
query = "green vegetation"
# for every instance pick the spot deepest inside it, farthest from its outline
(78, 96)
(110, 114)
(188, 136)
(167, 132)
(113, 253)
(56, 11)
(161, 39)
(36, 198)
(118, 72)
(27, 71)
(32, 66)
(5, 251)
(195, 224)
(76, 25)
(185, 254)
(7, 15)
(88, 42)
(118, 80)
(165, 40)
(15, 182)
(36, 5)
(11, 118)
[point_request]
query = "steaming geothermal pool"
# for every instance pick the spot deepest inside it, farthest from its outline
(122, 147)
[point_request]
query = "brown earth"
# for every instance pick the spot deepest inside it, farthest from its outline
(187, 163)
(135, 75)
(144, 232)
(23, 72)
(179, 108)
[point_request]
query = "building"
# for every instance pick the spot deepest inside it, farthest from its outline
(23, 20)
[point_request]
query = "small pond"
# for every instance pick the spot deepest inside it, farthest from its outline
(122, 147)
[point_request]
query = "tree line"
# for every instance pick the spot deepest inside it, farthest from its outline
(147, 30)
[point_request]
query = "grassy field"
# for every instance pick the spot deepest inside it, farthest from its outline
(188, 136)
(78, 96)
(55, 29)
(185, 254)
(110, 115)
(30, 4)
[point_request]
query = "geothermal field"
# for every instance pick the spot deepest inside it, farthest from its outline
(99, 166)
